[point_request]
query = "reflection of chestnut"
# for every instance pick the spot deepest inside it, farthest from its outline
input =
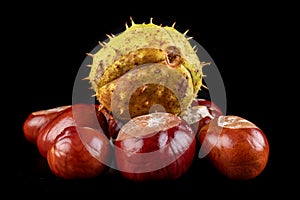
(79, 152)
(236, 147)
(77, 115)
(155, 146)
(37, 120)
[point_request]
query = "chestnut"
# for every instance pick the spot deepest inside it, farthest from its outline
(39, 119)
(235, 146)
(201, 112)
(213, 108)
(77, 115)
(79, 152)
(113, 125)
(155, 146)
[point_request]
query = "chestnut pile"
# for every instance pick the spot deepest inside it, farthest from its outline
(82, 141)
(148, 121)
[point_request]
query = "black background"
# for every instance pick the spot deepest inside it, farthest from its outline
(49, 43)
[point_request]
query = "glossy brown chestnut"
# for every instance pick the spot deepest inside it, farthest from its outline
(201, 112)
(38, 120)
(235, 146)
(208, 103)
(155, 146)
(214, 110)
(82, 115)
(79, 152)
(113, 125)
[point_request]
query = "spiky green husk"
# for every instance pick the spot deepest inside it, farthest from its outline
(143, 44)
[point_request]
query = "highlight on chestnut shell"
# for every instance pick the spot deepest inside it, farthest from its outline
(80, 114)
(37, 120)
(235, 146)
(79, 153)
(155, 146)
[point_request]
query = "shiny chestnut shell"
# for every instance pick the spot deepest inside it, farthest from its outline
(214, 111)
(113, 126)
(235, 146)
(36, 121)
(156, 146)
(79, 153)
(83, 115)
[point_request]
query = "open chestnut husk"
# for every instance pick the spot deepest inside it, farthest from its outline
(155, 146)
(235, 146)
